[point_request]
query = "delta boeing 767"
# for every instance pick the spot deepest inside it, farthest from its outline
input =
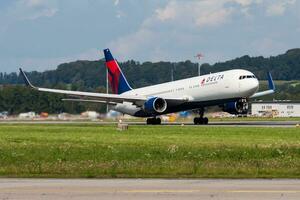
(231, 90)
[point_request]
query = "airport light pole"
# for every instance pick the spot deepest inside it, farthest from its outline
(199, 56)
(173, 69)
(172, 72)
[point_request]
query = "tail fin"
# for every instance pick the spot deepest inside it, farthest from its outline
(116, 77)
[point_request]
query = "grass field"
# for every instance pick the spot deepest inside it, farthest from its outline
(148, 151)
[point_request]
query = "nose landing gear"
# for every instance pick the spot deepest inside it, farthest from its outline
(153, 121)
(201, 119)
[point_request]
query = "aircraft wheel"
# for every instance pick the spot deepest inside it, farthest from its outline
(153, 121)
(205, 120)
(197, 120)
(149, 121)
(158, 121)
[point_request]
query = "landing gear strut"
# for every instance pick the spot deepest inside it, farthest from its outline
(154, 121)
(201, 119)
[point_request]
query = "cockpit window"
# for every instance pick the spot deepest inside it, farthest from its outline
(246, 76)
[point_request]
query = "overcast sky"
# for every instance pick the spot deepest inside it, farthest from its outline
(40, 34)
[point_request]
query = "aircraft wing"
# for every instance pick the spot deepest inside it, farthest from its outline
(270, 91)
(88, 96)
(90, 101)
(111, 99)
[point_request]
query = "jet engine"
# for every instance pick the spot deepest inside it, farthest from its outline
(236, 107)
(155, 105)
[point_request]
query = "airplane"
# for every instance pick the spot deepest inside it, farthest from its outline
(230, 90)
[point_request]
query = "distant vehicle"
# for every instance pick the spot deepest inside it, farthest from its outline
(3, 115)
(44, 115)
(230, 90)
(184, 114)
(29, 115)
(90, 114)
(113, 114)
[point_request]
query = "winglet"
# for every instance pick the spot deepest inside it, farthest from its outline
(271, 88)
(26, 80)
(271, 82)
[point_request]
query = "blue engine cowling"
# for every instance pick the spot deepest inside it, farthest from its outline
(155, 105)
(236, 107)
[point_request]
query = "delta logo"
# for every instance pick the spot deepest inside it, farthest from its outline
(202, 82)
(212, 79)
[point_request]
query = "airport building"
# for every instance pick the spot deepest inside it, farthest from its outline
(276, 108)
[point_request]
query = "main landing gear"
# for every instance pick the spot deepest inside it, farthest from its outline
(154, 121)
(201, 119)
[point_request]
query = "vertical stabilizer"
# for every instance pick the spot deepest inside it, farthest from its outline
(117, 80)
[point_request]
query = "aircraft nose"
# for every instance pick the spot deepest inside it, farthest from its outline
(250, 86)
(256, 84)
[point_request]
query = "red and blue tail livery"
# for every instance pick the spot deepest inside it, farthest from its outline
(117, 80)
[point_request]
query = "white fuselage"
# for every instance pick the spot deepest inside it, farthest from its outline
(210, 87)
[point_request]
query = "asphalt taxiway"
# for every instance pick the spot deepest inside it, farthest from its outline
(244, 189)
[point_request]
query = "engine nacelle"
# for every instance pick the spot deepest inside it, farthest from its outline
(155, 105)
(237, 107)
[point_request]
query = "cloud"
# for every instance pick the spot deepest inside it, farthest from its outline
(32, 3)
(167, 13)
(214, 18)
(127, 46)
(120, 14)
(198, 13)
(279, 8)
(33, 9)
(246, 3)
(176, 23)
(160, 30)
(268, 46)
(180, 26)
(116, 2)
(205, 12)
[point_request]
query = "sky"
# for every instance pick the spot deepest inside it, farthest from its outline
(41, 34)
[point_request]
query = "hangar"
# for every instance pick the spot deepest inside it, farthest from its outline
(284, 108)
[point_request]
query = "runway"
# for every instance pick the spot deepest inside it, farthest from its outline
(285, 124)
(244, 189)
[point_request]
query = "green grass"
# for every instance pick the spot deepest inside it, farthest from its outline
(148, 151)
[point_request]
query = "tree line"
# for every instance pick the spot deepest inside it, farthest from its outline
(91, 76)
